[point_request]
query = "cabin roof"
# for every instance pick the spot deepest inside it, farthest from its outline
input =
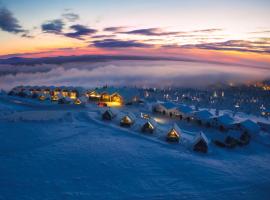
(185, 109)
(203, 114)
(167, 105)
(176, 128)
(226, 119)
(200, 136)
(250, 125)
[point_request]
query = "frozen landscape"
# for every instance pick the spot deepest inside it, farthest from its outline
(134, 100)
(71, 153)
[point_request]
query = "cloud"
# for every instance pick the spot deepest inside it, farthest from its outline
(113, 43)
(8, 22)
(127, 73)
(104, 36)
(79, 31)
(259, 46)
(151, 32)
(72, 17)
(210, 30)
(53, 26)
(114, 28)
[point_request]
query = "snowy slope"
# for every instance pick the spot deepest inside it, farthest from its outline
(81, 157)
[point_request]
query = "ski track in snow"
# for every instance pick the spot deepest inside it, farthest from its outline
(82, 157)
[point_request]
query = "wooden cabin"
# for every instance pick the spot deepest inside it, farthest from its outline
(167, 108)
(56, 91)
(200, 143)
(127, 121)
(93, 95)
(105, 97)
(108, 115)
(42, 97)
(77, 101)
(116, 98)
(174, 134)
(46, 91)
(73, 94)
(148, 127)
(65, 93)
(54, 98)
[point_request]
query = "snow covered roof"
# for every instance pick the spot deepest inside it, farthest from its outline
(176, 128)
(167, 105)
(141, 122)
(203, 114)
(226, 119)
(200, 136)
(185, 109)
(250, 125)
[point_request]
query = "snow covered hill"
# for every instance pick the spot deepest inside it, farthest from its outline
(72, 154)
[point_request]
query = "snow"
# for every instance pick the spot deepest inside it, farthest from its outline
(250, 126)
(203, 115)
(65, 153)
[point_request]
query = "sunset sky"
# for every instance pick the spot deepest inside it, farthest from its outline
(227, 31)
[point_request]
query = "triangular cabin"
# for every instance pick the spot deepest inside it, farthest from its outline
(77, 101)
(54, 97)
(200, 143)
(126, 121)
(148, 127)
(108, 115)
(42, 97)
(174, 134)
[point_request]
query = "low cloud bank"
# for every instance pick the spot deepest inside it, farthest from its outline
(128, 73)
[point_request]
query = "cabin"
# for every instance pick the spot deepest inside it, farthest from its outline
(203, 117)
(65, 93)
(200, 143)
(54, 98)
(184, 112)
(250, 127)
(93, 95)
(166, 108)
(127, 121)
(42, 97)
(148, 127)
(115, 100)
(46, 91)
(228, 140)
(242, 138)
(174, 134)
(224, 122)
(56, 91)
(77, 101)
(131, 96)
(108, 115)
(73, 94)
(105, 97)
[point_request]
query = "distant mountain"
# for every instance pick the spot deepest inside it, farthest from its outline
(84, 58)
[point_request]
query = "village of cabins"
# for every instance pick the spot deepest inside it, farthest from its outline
(233, 132)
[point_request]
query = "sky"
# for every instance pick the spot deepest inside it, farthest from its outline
(228, 31)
